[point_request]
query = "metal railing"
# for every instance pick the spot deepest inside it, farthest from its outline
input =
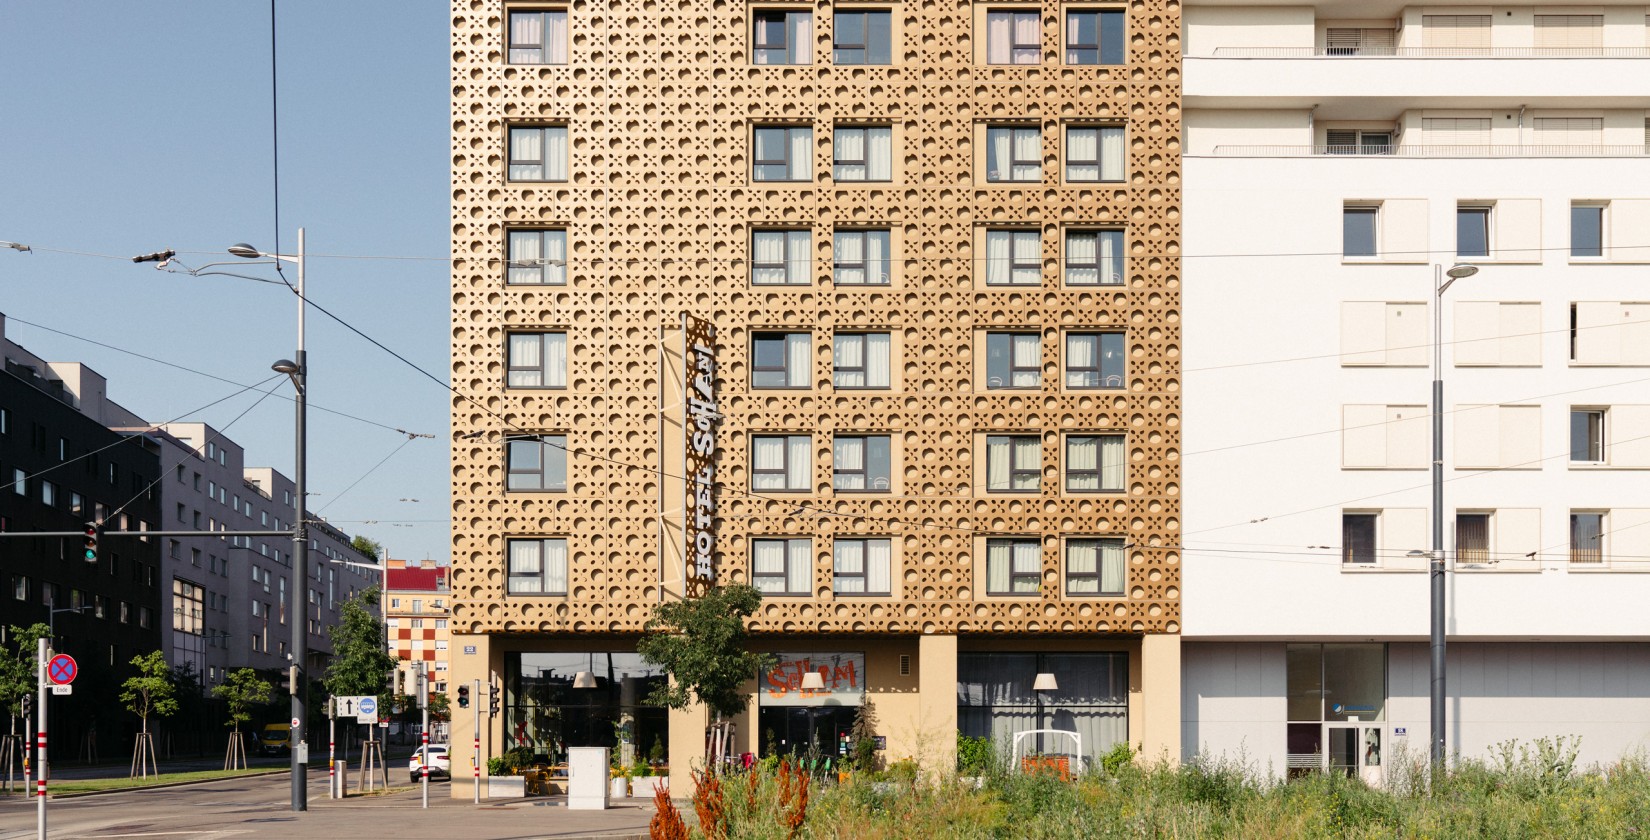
(1428, 52)
(1427, 151)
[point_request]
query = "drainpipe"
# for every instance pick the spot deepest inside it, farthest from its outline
(1521, 126)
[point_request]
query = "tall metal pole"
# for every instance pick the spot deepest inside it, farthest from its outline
(475, 763)
(40, 741)
(1436, 557)
(424, 735)
(300, 559)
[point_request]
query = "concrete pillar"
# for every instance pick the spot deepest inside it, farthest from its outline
(935, 729)
(687, 747)
(1160, 697)
(466, 667)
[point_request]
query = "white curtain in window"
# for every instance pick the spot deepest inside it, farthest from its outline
(848, 455)
(555, 565)
(849, 351)
(849, 559)
(555, 153)
(1111, 566)
(800, 32)
(798, 467)
(799, 566)
(878, 560)
(880, 153)
(1027, 354)
(998, 36)
(850, 147)
(1082, 558)
(878, 346)
(527, 144)
(555, 360)
(1028, 251)
(768, 558)
(798, 359)
(1111, 462)
(1082, 148)
(524, 352)
(998, 256)
(767, 454)
(801, 157)
(525, 566)
(1028, 147)
(769, 248)
(1111, 154)
(798, 257)
(997, 465)
(1000, 163)
(1028, 455)
(1082, 455)
(1080, 360)
(526, 28)
(555, 256)
(1080, 258)
(1028, 559)
(1111, 256)
(997, 558)
(555, 38)
(876, 256)
(849, 248)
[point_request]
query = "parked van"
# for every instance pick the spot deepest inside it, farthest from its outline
(275, 739)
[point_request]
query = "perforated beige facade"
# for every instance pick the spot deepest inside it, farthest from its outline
(661, 195)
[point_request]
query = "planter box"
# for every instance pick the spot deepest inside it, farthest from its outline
(506, 787)
(643, 786)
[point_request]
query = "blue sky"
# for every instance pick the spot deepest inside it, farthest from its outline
(133, 126)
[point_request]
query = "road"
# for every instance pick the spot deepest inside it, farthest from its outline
(259, 807)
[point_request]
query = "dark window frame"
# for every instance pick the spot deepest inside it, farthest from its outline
(1035, 577)
(863, 576)
(881, 269)
(1099, 373)
(1357, 548)
(784, 470)
(867, 478)
(1015, 469)
(545, 481)
(1109, 37)
(512, 47)
(550, 273)
(542, 369)
(1098, 575)
(866, 46)
(543, 162)
(1013, 163)
(786, 163)
(784, 368)
(1010, 337)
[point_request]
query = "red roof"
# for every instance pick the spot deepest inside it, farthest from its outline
(421, 579)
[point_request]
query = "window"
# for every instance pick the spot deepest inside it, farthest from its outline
(1586, 230)
(861, 360)
(1569, 34)
(538, 153)
(1472, 538)
(1347, 141)
(1094, 258)
(781, 258)
(48, 493)
(1472, 231)
(862, 463)
(537, 463)
(1586, 435)
(188, 607)
(1455, 35)
(1569, 131)
(781, 462)
(1094, 153)
(1013, 566)
(1094, 36)
(862, 567)
(20, 587)
(417, 605)
(1094, 566)
(19, 482)
(1609, 332)
(1013, 360)
(995, 698)
(1349, 40)
(1013, 463)
(783, 153)
(860, 258)
(1358, 537)
(536, 360)
(781, 360)
(1013, 153)
(537, 566)
(863, 153)
(782, 36)
(1013, 258)
(782, 567)
(537, 257)
(1586, 537)
(863, 37)
(1094, 360)
(1384, 436)
(1095, 464)
(1358, 231)
(538, 36)
(1013, 37)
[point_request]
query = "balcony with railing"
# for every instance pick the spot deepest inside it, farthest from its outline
(1432, 151)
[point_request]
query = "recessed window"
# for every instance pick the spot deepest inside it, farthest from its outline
(1014, 37)
(536, 257)
(537, 463)
(537, 567)
(538, 36)
(1358, 538)
(1013, 463)
(1358, 231)
(19, 482)
(862, 567)
(782, 463)
(1094, 258)
(862, 37)
(861, 463)
(1013, 153)
(538, 153)
(781, 258)
(1094, 36)
(782, 36)
(863, 153)
(1472, 538)
(1586, 537)
(1586, 435)
(783, 153)
(1094, 360)
(1348, 141)
(1094, 566)
(1013, 258)
(1586, 230)
(1094, 153)
(537, 360)
(1094, 464)
(1013, 566)
(861, 360)
(1472, 231)
(860, 258)
(1013, 360)
(781, 360)
(782, 567)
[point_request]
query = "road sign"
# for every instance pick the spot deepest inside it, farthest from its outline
(62, 689)
(295, 723)
(366, 710)
(61, 670)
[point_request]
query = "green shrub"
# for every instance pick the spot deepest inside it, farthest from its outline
(1119, 757)
(975, 756)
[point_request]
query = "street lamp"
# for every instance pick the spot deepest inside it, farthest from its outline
(1436, 555)
(297, 369)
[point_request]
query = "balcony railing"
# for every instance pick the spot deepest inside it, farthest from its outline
(1429, 52)
(1422, 151)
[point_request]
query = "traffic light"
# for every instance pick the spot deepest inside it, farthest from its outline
(91, 542)
(464, 697)
(292, 680)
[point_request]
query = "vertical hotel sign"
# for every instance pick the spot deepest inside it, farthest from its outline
(699, 525)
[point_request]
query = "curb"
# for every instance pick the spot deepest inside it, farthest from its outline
(163, 785)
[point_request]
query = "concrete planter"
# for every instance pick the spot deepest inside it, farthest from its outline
(506, 787)
(618, 788)
(643, 786)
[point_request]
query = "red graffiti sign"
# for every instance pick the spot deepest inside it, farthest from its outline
(842, 673)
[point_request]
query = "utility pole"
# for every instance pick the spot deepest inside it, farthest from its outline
(424, 735)
(475, 763)
(40, 740)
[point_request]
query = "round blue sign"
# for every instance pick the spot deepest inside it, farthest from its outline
(368, 706)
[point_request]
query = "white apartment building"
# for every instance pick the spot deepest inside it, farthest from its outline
(1335, 153)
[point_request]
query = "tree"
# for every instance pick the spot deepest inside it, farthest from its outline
(700, 643)
(17, 667)
(243, 689)
(151, 692)
(360, 664)
(367, 546)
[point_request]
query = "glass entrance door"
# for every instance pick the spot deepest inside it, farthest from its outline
(1354, 749)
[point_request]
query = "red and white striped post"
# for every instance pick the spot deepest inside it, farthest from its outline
(40, 742)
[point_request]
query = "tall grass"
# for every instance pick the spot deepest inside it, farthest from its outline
(1530, 791)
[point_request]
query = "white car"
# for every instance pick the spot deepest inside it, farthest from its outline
(437, 765)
